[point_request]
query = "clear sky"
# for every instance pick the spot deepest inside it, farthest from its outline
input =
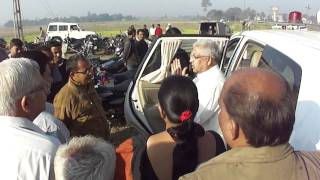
(32, 9)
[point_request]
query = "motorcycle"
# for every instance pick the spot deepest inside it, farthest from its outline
(73, 45)
(112, 98)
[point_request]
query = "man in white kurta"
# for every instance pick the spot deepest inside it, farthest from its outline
(209, 84)
(26, 151)
(209, 80)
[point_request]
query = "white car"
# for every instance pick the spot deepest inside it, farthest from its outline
(292, 54)
(62, 30)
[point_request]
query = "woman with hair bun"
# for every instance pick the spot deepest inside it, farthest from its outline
(184, 144)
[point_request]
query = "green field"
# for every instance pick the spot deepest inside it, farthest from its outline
(108, 29)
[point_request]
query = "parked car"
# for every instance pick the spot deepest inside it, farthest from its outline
(214, 28)
(291, 54)
(62, 30)
(290, 26)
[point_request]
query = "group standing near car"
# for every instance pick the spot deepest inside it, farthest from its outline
(54, 126)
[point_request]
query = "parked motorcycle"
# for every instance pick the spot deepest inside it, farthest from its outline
(112, 98)
(73, 45)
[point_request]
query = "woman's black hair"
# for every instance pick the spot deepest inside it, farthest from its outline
(36, 55)
(179, 94)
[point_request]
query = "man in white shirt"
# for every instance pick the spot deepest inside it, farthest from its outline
(152, 30)
(209, 80)
(52, 126)
(26, 152)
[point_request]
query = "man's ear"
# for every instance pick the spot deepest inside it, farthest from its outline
(71, 74)
(235, 129)
(210, 61)
(24, 103)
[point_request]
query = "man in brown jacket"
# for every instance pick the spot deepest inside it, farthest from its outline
(256, 118)
(77, 104)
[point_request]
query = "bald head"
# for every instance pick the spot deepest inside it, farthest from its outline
(258, 83)
(260, 102)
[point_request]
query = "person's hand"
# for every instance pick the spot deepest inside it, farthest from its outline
(176, 68)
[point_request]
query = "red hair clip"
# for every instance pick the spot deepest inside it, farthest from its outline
(185, 115)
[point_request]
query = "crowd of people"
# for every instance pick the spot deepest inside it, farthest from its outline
(53, 125)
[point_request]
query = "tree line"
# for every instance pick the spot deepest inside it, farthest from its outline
(234, 14)
(91, 17)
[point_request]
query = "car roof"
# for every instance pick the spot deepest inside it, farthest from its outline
(301, 39)
(184, 36)
(301, 46)
(62, 23)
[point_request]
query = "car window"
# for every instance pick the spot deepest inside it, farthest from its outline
(63, 28)
(250, 55)
(208, 28)
(278, 62)
(254, 55)
(231, 47)
(154, 62)
(53, 28)
(74, 28)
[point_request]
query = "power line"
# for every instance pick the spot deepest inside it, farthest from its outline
(49, 9)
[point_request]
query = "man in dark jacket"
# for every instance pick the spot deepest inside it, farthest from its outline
(58, 69)
(132, 61)
(146, 31)
(130, 54)
(141, 45)
(78, 105)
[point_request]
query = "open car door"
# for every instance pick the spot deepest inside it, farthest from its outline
(141, 110)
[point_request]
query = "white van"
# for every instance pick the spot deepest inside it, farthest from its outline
(62, 30)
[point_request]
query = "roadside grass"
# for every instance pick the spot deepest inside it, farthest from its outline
(109, 29)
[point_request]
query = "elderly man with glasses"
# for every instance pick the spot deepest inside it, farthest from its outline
(77, 104)
(26, 152)
(209, 80)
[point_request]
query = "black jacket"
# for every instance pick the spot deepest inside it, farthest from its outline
(130, 53)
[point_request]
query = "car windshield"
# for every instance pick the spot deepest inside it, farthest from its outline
(74, 28)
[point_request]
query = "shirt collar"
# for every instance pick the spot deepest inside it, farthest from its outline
(207, 73)
(19, 122)
(74, 85)
(252, 154)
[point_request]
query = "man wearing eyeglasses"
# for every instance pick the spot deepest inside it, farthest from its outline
(26, 151)
(78, 105)
(204, 59)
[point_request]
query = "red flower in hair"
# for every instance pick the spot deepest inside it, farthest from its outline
(185, 115)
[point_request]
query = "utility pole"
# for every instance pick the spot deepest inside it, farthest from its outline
(17, 20)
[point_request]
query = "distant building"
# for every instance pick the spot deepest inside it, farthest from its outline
(318, 17)
(275, 11)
